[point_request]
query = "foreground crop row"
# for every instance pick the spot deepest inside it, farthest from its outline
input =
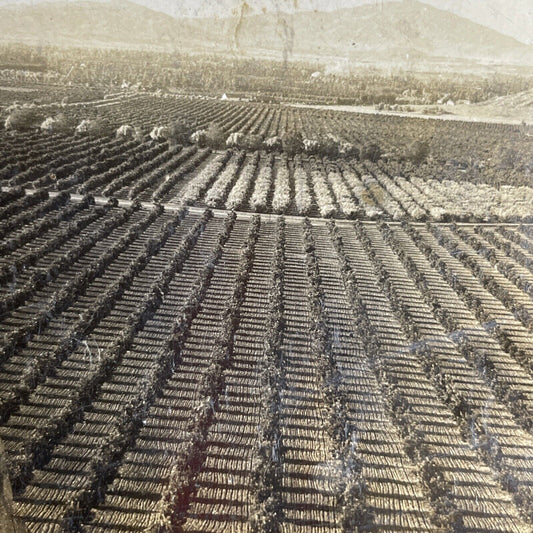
(169, 371)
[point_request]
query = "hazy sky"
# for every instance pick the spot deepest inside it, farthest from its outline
(512, 17)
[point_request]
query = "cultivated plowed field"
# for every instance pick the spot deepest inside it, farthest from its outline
(475, 172)
(175, 369)
(199, 338)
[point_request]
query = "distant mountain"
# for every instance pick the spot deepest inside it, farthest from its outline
(394, 30)
(115, 23)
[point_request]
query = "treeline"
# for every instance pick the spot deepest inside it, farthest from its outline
(265, 79)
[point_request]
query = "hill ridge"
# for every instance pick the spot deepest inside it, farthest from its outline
(400, 29)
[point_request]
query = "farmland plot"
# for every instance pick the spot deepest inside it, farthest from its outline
(258, 181)
(178, 369)
(281, 169)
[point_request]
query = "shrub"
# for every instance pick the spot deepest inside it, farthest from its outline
(348, 150)
(160, 133)
(199, 137)
(179, 132)
(292, 142)
(125, 131)
(97, 127)
(215, 136)
(251, 142)
(371, 151)
(272, 143)
(310, 146)
(417, 152)
(235, 139)
(58, 124)
(23, 119)
(328, 147)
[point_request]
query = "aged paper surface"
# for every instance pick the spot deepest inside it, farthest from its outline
(266, 266)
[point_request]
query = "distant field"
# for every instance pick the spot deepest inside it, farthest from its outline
(484, 112)
(18, 89)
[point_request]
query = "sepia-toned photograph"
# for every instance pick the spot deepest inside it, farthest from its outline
(266, 266)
